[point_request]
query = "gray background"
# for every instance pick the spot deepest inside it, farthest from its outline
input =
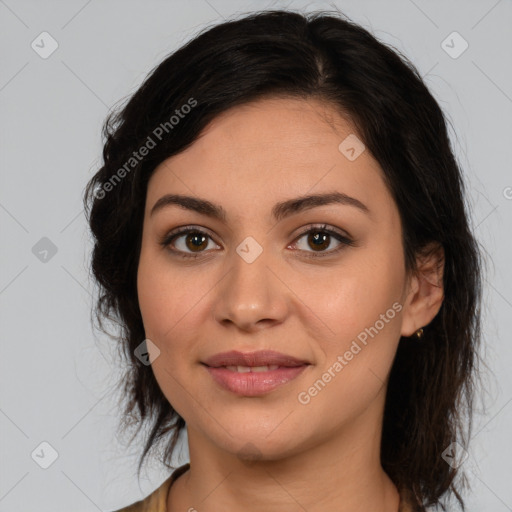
(58, 375)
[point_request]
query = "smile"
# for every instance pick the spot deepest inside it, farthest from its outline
(247, 369)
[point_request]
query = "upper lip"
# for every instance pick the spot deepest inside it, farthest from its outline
(259, 358)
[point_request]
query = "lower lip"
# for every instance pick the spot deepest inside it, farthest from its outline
(254, 383)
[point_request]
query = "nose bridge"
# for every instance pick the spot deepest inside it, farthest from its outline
(250, 292)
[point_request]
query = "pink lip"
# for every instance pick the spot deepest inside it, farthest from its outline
(259, 358)
(254, 383)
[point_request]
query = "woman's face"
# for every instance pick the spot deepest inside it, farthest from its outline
(252, 281)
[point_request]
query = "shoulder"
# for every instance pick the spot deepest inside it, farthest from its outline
(157, 500)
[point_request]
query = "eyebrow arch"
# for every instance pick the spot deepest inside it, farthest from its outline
(279, 211)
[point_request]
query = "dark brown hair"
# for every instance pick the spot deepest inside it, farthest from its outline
(325, 56)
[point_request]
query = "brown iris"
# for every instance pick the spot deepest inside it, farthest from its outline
(320, 240)
(195, 241)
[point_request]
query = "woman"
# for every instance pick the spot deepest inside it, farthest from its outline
(281, 231)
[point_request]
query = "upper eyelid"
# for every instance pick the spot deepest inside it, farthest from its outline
(323, 226)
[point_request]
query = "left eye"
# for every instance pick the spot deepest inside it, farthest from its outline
(193, 242)
(320, 238)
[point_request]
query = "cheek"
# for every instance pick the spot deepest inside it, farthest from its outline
(357, 293)
(166, 301)
(361, 304)
(363, 310)
(163, 299)
(152, 297)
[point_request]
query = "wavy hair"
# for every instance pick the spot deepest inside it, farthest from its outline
(326, 56)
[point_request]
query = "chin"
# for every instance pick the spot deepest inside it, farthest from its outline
(252, 444)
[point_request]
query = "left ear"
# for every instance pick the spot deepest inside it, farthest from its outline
(425, 290)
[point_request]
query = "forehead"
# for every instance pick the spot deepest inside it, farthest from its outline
(267, 127)
(273, 149)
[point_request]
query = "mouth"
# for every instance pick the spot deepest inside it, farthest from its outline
(247, 369)
(254, 373)
(259, 359)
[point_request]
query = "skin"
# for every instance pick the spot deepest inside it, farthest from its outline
(319, 456)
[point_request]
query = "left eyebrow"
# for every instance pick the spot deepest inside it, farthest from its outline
(279, 211)
(292, 206)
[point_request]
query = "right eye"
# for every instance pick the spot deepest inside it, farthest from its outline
(183, 240)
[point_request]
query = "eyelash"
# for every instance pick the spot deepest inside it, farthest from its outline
(344, 241)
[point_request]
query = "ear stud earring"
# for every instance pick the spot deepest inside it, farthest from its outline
(419, 333)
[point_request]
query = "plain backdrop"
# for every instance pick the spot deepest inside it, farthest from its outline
(57, 374)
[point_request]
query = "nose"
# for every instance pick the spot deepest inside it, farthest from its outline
(251, 296)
